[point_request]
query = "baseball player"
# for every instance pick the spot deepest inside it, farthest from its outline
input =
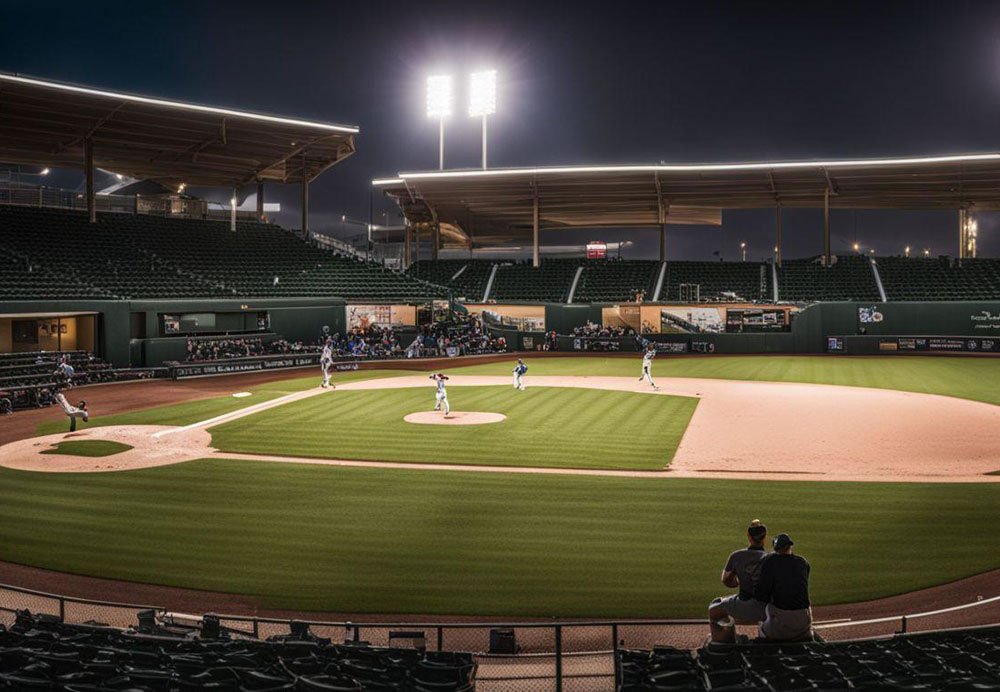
(442, 393)
(65, 371)
(72, 411)
(326, 362)
(647, 363)
(519, 371)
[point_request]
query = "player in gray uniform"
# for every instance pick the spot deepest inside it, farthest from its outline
(72, 411)
(647, 363)
(442, 393)
(326, 362)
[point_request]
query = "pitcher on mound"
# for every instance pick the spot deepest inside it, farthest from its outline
(442, 393)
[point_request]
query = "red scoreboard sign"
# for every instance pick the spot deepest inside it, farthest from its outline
(597, 250)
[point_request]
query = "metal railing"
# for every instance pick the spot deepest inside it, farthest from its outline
(546, 655)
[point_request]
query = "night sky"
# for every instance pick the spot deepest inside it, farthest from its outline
(579, 82)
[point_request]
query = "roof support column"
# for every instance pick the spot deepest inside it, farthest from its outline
(435, 234)
(260, 201)
(305, 201)
(962, 224)
(826, 227)
(408, 257)
(661, 216)
(88, 164)
(232, 211)
(777, 244)
(535, 259)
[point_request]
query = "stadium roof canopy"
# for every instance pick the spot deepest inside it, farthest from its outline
(499, 204)
(50, 123)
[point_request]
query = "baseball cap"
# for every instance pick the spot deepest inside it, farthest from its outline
(782, 541)
(757, 529)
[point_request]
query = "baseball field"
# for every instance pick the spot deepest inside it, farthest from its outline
(593, 497)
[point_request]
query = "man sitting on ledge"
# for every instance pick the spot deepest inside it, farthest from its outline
(742, 570)
(784, 587)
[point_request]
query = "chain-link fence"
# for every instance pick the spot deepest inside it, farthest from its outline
(536, 656)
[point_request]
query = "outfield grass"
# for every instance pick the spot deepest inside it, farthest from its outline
(545, 426)
(88, 448)
(203, 409)
(406, 541)
(968, 378)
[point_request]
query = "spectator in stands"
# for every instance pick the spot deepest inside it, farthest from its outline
(784, 588)
(6, 404)
(742, 571)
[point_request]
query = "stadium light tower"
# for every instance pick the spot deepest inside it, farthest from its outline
(439, 98)
(483, 99)
(743, 250)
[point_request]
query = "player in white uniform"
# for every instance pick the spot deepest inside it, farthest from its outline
(442, 393)
(647, 363)
(519, 371)
(72, 411)
(326, 362)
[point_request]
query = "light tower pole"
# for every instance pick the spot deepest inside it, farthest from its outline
(439, 100)
(483, 99)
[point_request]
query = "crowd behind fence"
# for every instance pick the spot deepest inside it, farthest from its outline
(545, 655)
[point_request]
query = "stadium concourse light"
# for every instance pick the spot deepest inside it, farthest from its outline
(483, 99)
(439, 99)
(44, 171)
(927, 252)
(743, 250)
(906, 251)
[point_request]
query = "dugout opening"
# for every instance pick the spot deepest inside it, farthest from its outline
(46, 331)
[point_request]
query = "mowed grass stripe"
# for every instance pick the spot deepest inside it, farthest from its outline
(400, 541)
(204, 409)
(968, 378)
(545, 426)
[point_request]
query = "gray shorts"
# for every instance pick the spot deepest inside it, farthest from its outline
(784, 625)
(744, 612)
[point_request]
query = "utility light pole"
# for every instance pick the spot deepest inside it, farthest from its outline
(483, 99)
(439, 101)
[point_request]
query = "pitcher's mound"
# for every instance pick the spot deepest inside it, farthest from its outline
(454, 418)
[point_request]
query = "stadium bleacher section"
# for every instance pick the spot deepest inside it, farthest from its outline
(28, 379)
(746, 280)
(126, 256)
(939, 278)
(520, 281)
(610, 281)
(467, 278)
(40, 652)
(848, 278)
(956, 660)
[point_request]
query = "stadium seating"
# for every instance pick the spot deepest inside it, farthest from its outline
(126, 256)
(41, 653)
(848, 278)
(718, 280)
(521, 281)
(470, 282)
(608, 281)
(940, 278)
(956, 660)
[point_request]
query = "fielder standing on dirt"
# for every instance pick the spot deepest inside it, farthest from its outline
(326, 361)
(647, 364)
(519, 371)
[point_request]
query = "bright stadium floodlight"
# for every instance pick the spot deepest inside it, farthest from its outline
(439, 99)
(743, 250)
(483, 99)
(906, 251)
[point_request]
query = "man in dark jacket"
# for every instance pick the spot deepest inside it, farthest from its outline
(784, 588)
